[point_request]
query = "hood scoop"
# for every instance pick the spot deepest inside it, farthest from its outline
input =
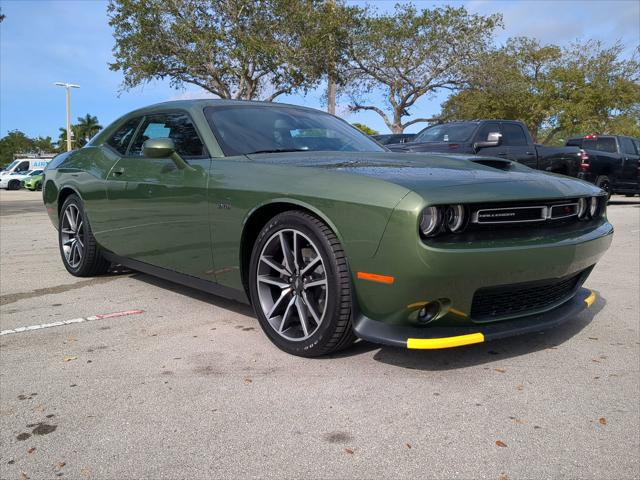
(504, 165)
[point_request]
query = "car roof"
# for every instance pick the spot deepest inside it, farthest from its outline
(213, 102)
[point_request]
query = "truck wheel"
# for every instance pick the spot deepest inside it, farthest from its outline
(603, 182)
(300, 286)
(79, 250)
(14, 185)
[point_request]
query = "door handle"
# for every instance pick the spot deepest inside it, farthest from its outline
(502, 154)
(529, 153)
(118, 171)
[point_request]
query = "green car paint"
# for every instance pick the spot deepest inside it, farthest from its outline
(202, 221)
(33, 182)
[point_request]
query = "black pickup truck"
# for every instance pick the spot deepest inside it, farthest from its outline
(496, 138)
(612, 162)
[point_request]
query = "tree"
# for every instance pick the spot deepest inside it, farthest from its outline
(14, 142)
(81, 132)
(87, 127)
(584, 88)
(410, 54)
(365, 128)
(17, 142)
(244, 49)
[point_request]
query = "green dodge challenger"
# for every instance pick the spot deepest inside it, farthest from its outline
(326, 233)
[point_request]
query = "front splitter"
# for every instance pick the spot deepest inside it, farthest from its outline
(437, 337)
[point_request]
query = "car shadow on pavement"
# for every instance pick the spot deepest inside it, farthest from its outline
(474, 355)
(234, 306)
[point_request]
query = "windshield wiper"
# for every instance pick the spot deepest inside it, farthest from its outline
(279, 150)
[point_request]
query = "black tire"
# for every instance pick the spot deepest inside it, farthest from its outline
(39, 186)
(605, 184)
(14, 185)
(91, 262)
(335, 331)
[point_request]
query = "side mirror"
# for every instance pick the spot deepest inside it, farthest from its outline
(493, 140)
(158, 148)
(163, 148)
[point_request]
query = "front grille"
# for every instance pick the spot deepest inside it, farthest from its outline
(495, 303)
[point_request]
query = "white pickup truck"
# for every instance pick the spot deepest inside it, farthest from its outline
(18, 170)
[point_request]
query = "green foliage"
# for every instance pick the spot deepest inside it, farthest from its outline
(81, 132)
(243, 49)
(410, 54)
(556, 92)
(365, 128)
(17, 142)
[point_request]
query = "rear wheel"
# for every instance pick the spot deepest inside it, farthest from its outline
(300, 286)
(80, 253)
(14, 185)
(605, 184)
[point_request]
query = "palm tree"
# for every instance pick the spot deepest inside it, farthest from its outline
(87, 127)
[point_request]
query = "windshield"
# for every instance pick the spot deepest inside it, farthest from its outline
(10, 166)
(35, 172)
(448, 132)
(246, 129)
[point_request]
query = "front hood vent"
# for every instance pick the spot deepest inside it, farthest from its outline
(504, 165)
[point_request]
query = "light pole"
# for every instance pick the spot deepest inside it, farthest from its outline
(68, 86)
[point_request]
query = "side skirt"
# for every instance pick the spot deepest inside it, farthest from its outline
(180, 278)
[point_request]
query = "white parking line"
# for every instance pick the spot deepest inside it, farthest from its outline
(100, 316)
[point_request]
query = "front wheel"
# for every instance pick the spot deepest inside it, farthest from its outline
(79, 250)
(13, 185)
(300, 286)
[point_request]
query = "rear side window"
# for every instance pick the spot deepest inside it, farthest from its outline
(626, 145)
(574, 142)
(121, 139)
(606, 144)
(176, 126)
(513, 135)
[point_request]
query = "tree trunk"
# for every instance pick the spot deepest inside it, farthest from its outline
(331, 95)
(396, 126)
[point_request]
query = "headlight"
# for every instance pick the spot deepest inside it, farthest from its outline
(582, 208)
(455, 218)
(593, 207)
(430, 221)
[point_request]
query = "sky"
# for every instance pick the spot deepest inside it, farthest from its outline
(47, 41)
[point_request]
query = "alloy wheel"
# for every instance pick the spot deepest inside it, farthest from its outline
(72, 235)
(292, 284)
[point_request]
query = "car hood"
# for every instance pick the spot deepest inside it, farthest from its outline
(436, 176)
(444, 147)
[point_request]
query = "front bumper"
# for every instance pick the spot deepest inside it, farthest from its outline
(459, 335)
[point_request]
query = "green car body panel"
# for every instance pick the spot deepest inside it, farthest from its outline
(33, 182)
(202, 221)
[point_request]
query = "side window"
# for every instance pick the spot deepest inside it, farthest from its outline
(176, 126)
(22, 167)
(626, 144)
(513, 135)
(121, 139)
(485, 130)
(606, 144)
(574, 142)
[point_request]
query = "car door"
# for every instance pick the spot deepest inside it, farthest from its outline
(518, 146)
(159, 211)
(630, 157)
(481, 136)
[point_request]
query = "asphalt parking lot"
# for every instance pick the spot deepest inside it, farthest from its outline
(185, 385)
